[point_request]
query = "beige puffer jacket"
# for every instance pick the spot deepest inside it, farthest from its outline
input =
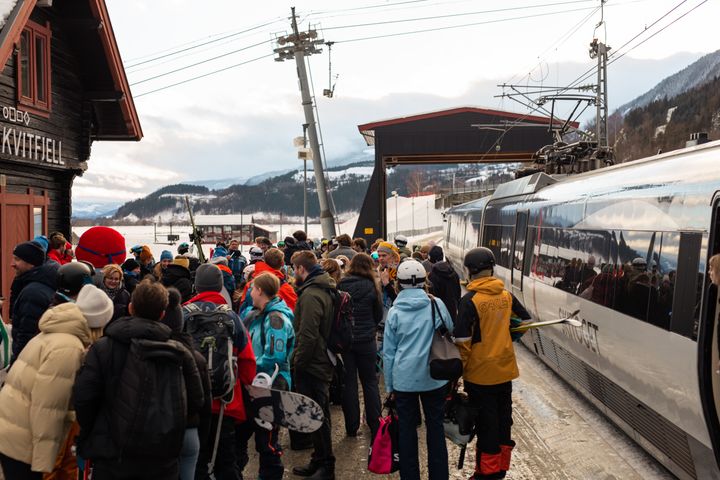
(35, 411)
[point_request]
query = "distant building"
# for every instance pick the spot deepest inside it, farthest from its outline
(227, 227)
(63, 87)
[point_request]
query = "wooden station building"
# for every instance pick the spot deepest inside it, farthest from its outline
(62, 86)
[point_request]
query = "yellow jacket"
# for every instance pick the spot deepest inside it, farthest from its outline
(483, 333)
(35, 413)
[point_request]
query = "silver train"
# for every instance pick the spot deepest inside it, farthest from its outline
(628, 246)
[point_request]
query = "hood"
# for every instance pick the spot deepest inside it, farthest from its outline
(411, 299)
(318, 278)
(443, 269)
(214, 298)
(278, 305)
(65, 318)
(45, 274)
(261, 267)
(486, 285)
(175, 272)
(126, 328)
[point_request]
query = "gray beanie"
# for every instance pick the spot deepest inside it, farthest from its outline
(208, 278)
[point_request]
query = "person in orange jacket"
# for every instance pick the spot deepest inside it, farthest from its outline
(482, 333)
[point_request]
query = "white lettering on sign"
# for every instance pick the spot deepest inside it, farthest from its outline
(31, 146)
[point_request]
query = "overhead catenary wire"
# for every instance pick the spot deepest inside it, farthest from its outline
(558, 43)
(583, 77)
(593, 70)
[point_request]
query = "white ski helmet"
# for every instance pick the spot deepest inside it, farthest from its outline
(411, 274)
(401, 240)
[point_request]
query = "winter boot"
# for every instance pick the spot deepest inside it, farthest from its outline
(323, 473)
(505, 454)
(306, 470)
(487, 466)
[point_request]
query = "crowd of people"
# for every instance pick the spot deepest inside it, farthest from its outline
(132, 368)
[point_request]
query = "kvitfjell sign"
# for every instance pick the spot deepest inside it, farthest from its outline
(20, 142)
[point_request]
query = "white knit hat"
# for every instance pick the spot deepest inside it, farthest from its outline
(95, 305)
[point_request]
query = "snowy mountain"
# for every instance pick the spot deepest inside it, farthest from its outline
(94, 209)
(696, 74)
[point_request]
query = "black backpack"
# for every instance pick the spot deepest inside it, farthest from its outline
(341, 330)
(149, 412)
(212, 333)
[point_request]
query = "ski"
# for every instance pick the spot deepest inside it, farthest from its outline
(196, 235)
(558, 321)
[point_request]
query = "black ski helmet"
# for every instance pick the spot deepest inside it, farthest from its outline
(479, 259)
(71, 277)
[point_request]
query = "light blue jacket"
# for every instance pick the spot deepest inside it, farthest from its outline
(279, 336)
(408, 336)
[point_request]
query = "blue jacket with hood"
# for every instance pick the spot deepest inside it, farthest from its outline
(408, 337)
(279, 336)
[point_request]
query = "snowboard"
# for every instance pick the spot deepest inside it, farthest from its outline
(287, 409)
(280, 407)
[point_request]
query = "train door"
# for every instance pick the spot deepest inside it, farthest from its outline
(518, 252)
(708, 355)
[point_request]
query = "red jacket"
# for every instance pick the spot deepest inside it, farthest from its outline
(245, 359)
(61, 259)
(286, 292)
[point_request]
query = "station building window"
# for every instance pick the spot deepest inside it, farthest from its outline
(33, 67)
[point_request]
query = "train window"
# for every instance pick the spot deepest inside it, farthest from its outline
(520, 235)
(529, 249)
(491, 239)
(472, 230)
(506, 238)
(688, 283)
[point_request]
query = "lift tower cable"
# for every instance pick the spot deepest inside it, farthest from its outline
(297, 45)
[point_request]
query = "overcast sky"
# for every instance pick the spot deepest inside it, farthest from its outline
(241, 122)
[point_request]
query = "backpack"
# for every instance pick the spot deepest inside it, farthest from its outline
(341, 330)
(212, 332)
(148, 416)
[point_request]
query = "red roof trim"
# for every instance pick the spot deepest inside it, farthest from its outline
(15, 29)
(443, 113)
(107, 37)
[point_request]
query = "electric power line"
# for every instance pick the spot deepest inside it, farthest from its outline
(451, 15)
(234, 34)
(450, 27)
(204, 75)
(199, 63)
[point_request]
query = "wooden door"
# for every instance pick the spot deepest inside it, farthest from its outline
(15, 225)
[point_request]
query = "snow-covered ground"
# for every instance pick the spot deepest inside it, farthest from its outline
(422, 209)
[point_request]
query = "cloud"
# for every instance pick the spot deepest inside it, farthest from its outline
(200, 141)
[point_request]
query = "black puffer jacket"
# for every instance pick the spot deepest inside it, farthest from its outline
(30, 295)
(96, 386)
(367, 306)
(291, 248)
(179, 277)
(445, 284)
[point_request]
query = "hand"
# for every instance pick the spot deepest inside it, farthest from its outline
(385, 277)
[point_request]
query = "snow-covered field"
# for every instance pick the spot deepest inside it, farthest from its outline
(421, 209)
